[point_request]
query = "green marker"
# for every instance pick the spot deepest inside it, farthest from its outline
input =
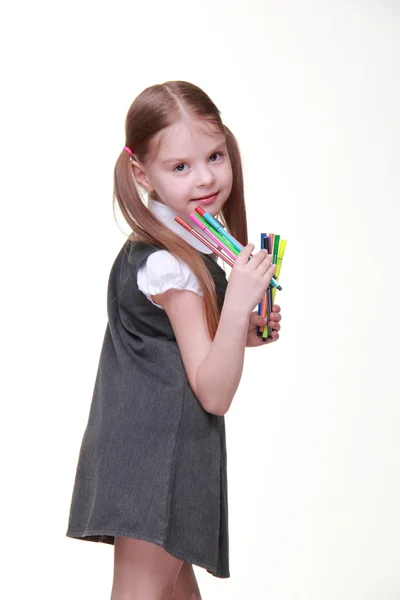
(275, 250)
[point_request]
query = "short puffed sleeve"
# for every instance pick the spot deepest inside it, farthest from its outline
(163, 271)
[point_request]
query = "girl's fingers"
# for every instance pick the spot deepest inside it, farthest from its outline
(276, 308)
(275, 336)
(244, 255)
(262, 261)
(276, 317)
(260, 258)
(269, 267)
(269, 273)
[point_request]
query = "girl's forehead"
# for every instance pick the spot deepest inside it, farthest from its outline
(186, 135)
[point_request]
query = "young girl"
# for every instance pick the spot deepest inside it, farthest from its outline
(152, 471)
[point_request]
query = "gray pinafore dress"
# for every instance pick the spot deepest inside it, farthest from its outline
(152, 463)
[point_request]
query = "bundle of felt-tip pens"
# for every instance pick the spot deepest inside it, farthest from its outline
(227, 248)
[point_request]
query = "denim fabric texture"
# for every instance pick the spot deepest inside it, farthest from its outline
(152, 463)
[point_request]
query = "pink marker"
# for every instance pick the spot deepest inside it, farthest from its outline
(212, 236)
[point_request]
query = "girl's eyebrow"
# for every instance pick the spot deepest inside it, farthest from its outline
(182, 160)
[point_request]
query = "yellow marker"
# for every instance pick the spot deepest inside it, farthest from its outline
(281, 252)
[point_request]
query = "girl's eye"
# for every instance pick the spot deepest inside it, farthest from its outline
(213, 158)
(178, 167)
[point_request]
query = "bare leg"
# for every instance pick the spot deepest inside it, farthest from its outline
(143, 570)
(186, 587)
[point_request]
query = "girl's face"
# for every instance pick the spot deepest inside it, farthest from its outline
(188, 162)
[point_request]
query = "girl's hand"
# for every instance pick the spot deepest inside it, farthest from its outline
(253, 339)
(249, 279)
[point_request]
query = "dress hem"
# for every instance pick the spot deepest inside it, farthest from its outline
(102, 535)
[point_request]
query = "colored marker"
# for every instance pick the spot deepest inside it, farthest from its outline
(211, 235)
(201, 238)
(267, 302)
(220, 229)
(281, 252)
(267, 331)
(272, 236)
(217, 234)
(259, 310)
(276, 238)
(275, 250)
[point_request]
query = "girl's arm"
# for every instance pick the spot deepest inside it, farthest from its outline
(213, 367)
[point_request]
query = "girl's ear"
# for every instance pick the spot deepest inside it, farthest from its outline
(141, 176)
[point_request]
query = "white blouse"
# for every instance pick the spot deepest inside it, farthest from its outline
(162, 270)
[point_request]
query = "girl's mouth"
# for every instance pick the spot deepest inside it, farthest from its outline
(206, 199)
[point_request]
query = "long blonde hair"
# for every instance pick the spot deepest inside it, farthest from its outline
(157, 107)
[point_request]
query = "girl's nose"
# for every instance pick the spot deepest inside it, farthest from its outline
(204, 177)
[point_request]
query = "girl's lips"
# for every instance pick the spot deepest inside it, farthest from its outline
(206, 200)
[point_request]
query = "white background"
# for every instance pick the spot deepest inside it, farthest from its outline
(311, 90)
